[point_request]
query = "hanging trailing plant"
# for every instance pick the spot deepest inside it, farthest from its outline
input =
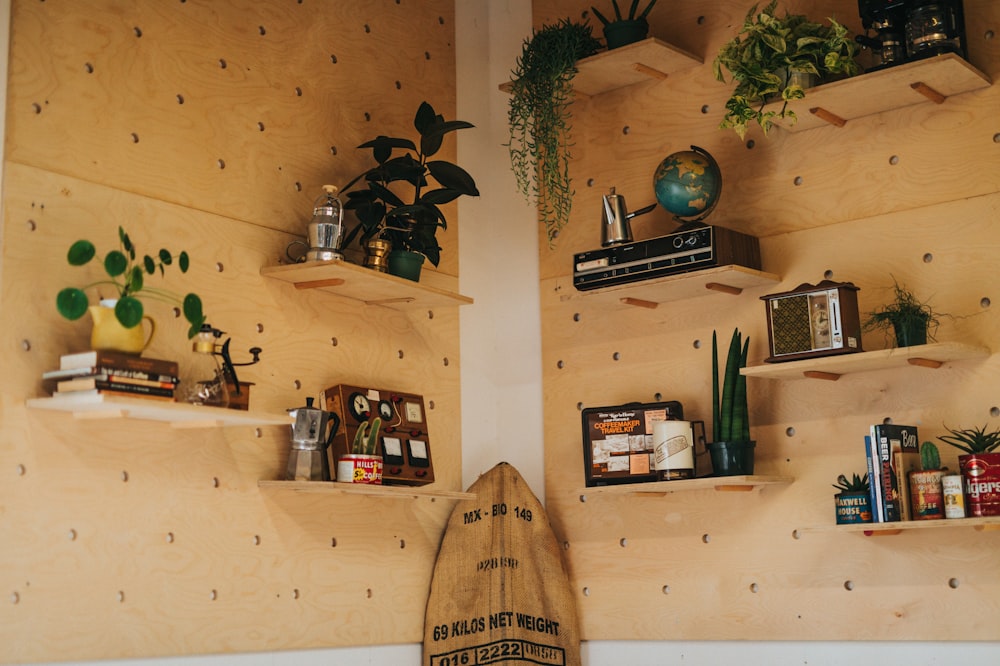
(541, 92)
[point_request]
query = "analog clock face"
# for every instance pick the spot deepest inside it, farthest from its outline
(359, 406)
(385, 409)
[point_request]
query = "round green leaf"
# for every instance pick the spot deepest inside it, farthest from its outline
(80, 253)
(71, 303)
(128, 311)
(115, 263)
(183, 262)
(166, 258)
(149, 264)
(135, 280)
(193, 313)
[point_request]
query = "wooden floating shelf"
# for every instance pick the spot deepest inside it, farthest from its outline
(746, 483)
(932, 79)
(833, 367)
(648, 60)
(363, 284)
(731, 280)
(177, 414)
(393, 492)
(890, 529)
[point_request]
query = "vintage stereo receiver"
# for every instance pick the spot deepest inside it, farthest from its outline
(618, 441)
(404, 442)
(693, 249)
(813, 320)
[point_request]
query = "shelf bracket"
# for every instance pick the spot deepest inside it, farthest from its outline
(925, 362)
(638, 302)
(819, 374)
(723, 288)
(869, 533)
(649, 71)
(829, 117)
(317, 284)
(928, 92)
(734, 489)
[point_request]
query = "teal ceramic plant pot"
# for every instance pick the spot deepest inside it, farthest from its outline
(625, 32)
(731, 458)
(405, 264)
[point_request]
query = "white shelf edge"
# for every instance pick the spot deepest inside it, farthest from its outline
(743, 483)
(178, 414)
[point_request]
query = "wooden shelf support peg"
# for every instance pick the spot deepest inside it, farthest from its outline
(724, 288)
(928, 92)
(829, 117)
(649, 71)
(925, 362)
(819, 374)
(638, 302)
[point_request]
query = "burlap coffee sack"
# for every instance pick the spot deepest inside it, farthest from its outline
(500, 593)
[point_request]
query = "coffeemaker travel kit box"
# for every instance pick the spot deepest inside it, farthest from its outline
(618, 441)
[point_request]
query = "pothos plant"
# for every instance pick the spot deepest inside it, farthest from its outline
(126, 275)
(763, 56)
(541, 91)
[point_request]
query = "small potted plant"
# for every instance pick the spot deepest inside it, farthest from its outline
(980, 467)
(853, 502)
(910, 320)
(409, 223)
(362, 464)
(625, 30)
(926, 495)
(538, 116)
(117, 319)
(776, 57)
(732, 451)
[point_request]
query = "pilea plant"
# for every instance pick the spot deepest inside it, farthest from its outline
(856, 484)
(127, 278)
(730, 421)
(365, 442)
(540, 94)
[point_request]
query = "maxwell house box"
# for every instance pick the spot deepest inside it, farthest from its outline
(618, 441)
(981, 476)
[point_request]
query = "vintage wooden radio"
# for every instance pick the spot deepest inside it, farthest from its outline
(404, 442)
(813, 320)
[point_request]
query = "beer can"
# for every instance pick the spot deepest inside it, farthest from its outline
(954, 499)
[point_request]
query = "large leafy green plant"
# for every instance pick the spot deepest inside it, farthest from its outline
(541, 91)
(127, 276)
(730, 415)
(410, 223)
(765, 54)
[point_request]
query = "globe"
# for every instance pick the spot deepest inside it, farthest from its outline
(688, 184)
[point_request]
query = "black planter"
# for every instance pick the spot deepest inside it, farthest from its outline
(910, 333)
(625, 32)
(731, 458)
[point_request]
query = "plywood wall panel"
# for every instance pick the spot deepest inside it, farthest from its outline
(706, 565)
(122, 538)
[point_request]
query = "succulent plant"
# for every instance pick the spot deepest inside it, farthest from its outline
(856, 484)
(365, 442)
(972, 440)
(930, 457)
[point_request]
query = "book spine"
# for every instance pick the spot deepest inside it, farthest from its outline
(887, 481)
(119, 361)
(873, 484)
(136, 389)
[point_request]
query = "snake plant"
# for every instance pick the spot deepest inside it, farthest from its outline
(730, 422)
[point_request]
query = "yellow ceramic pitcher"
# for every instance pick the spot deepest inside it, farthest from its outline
(108, 333)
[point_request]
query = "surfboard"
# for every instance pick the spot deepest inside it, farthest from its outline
(500, 593)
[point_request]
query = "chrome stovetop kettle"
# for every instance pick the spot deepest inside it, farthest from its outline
(312, 434)
(615, 228)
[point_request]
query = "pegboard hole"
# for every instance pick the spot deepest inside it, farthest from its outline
(953, 583)
(177, 313)
(15, 598)
(368, 593)
(565, 545)
(87, 67)
(586, 591)
(828, 274)
(298, 186)
(222, 63)
(134, 137)
(213, 595)
(124, 476)
(334, 342)
(399, 86)
(71, 535)
(623, 542)
(21, 470)
(583, 498)
(260, 327)
(849, 585)
(894, 160)
(755, 588)
(988, 35)
(626, 129)
(576, 316)
(994, 411)
(260, 126)
(796, 535)
(797, 181)
(616, 356)
(984, 302)
(25, 345)
(430, 404)
(222, 163)
(430, 314)
(665, 589)
(170, 537)
(258, 433)
(298, 91)
(38, 109)
(297, 384)
(996, 138)
(590, 182)
(256, 539)
(706, 538)
(333, 59)
(750, 144)
(445, 361)
(402, 544)
(579, 406)
(700, 20)
(295, 593)
(180, 98)
(789, 431)
(121, 596)
(215, 482)
(560, 364)
(696, 344)
(333, 542)
(30, 225)
(399, 353)
(657, 396)
(928, 257)
(138, 31)
(261, 30)
(704, 108)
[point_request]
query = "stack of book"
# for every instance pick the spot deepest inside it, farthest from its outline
(892, 452)
(113, 373)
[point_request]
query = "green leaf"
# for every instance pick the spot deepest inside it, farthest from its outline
(149, 264)
(183, 262)
(453, 177)
(115, 263)
(72, 303)
(424, 118)
(128, 311)
(193, 313)
(166, 258)
(80, 253)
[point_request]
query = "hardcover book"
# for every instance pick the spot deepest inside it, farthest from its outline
(112, 359)
(904, 454)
